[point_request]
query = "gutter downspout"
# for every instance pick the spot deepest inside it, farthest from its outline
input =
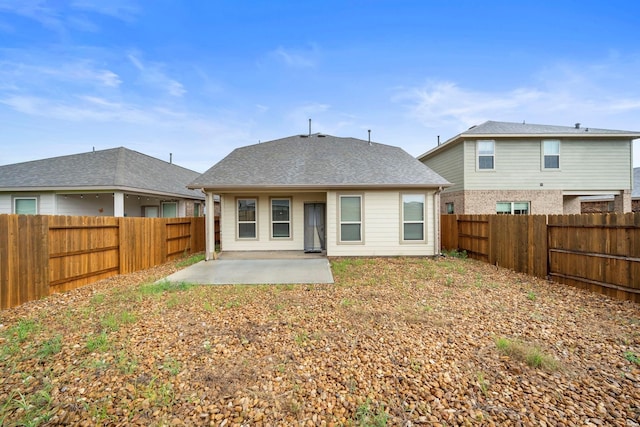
(436, 222)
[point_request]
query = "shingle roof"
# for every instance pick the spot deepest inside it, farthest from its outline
(524, 130)
(320, 161)
(508, 128)
(116, 168)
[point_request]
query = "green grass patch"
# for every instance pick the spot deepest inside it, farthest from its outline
(193, 259)
(99, 343)
(530, 354)
(50, 347)
(531, 296)
(632, 357)
(163, 286)
(22, 330)
(113, 321)
(454, 253)
(172, 366)
(367, 417)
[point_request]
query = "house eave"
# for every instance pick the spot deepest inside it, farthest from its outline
(317, 187)
(97, 189)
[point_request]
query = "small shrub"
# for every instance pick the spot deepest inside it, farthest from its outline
(531, 296)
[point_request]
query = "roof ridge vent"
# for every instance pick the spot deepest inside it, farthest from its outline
(304, 136)
(321, 135)
(577, 125)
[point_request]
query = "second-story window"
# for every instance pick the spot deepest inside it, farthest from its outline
(486, 155)
(551, 154)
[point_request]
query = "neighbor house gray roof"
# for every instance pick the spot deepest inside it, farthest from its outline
(318, 161)
(113, 169)
(525, 130)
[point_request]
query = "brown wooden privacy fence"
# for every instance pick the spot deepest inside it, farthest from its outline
(599, 252)
(42, 254)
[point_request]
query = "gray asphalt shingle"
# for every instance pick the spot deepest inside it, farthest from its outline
(115, 168)
(316, 161)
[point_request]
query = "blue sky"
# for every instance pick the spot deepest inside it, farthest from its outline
(200, 78)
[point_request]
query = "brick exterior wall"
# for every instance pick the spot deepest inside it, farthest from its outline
(484, 201)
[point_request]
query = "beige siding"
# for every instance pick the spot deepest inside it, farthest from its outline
(381, 228)
(264, 242)
(584, 166)
(449, 165)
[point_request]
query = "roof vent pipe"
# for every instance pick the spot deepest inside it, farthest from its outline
(577, 125)
(369, 136)
(309, 127)
(438, 139)
(170, 158)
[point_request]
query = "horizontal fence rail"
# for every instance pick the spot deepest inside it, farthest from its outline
(44, 254)
(598, 252)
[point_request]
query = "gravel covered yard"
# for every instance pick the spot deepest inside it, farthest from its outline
(395, 341)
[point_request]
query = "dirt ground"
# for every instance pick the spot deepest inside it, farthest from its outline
(395, 341)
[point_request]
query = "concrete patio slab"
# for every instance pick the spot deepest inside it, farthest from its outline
(256, 271)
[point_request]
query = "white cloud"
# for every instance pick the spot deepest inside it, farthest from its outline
(124, 10)
(296, 59)
(151, 74)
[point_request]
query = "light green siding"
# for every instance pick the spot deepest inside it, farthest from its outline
(449, 165)
(585, 165)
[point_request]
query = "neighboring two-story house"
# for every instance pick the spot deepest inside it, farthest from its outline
(518, 168)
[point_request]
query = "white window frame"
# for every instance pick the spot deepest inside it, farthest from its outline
(544, 154)
(341, 222)
(238, 221)
(163, 204)
(492, 155)
(15, 200)
(403, 221)
(288, 222)
(513, 208)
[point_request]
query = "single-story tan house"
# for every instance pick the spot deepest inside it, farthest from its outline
(321, 193)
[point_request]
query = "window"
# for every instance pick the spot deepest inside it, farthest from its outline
(551, 154)
(350, 218)
(449, 207)
(196, 209)
(280, 218)
(486, 155)
(413, 217)
(247, 223)
(169, 209)
(515, 208)
(25, 206)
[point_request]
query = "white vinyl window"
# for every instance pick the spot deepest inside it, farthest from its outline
(413, 217)
(551, 154)
(25, 206)
(247, 214)
(196, 209)
(169, 209)
(486, 152)
(280, 218)
(351, 218)
(512, 208)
